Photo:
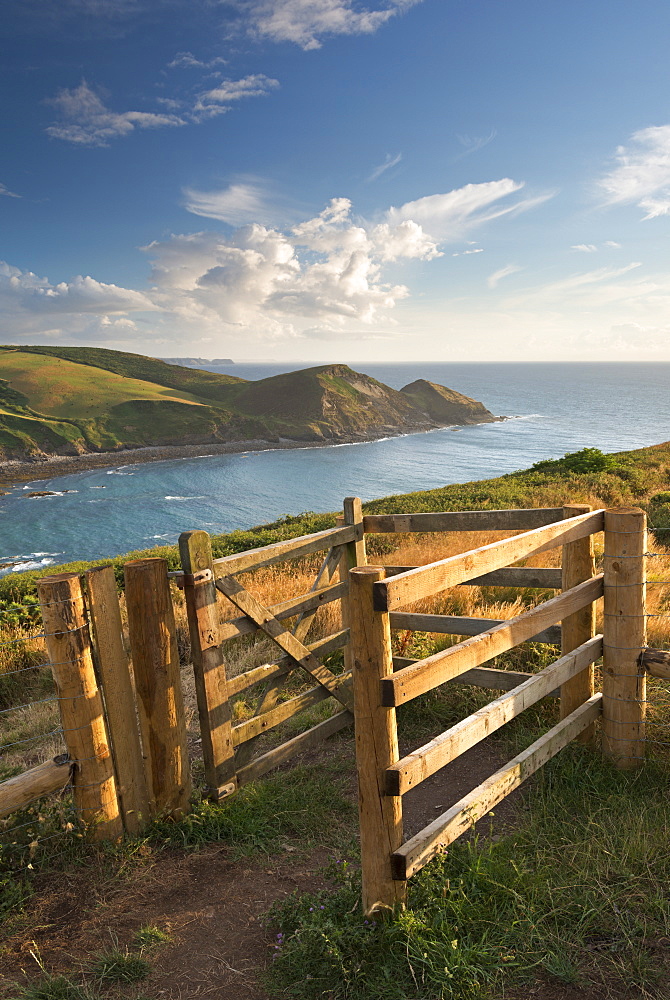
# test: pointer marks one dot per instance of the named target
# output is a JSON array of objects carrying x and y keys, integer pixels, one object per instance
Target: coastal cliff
[{"x": 86, "y": 401}]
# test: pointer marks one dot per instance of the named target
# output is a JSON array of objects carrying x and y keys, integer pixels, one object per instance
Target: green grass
[
  {"x": 150, "y": 937},
  {"x": 577, "y": 894},
  {"x": 119, "y": 965}
]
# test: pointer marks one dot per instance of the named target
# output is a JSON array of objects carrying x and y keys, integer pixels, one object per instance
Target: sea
[{"x": 551, "y": 409}]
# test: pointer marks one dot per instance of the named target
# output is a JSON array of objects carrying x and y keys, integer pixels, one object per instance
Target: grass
[
  {"x": 119, "y": 965},
  {"x": 583, "y": 903},
  {"x": 577, "y": 894}
]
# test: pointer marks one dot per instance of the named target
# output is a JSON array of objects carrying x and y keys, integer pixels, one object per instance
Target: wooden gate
[{"x": 381, "y": 684}]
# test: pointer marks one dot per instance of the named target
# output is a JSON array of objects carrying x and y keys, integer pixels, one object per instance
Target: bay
[{"x": 554, "y": 408}]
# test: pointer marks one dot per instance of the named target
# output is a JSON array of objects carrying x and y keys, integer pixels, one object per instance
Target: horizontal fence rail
[
  {"x": 467, "y": 520},
  {"x": 426, "y": 674},
  {"x": 458, "y": 625},
  {"x": 540, "y": 578},
  {"x": 420, "y": 849},
  {"x": 426, "y": 581},
  {"x": 427, "y": 760}
]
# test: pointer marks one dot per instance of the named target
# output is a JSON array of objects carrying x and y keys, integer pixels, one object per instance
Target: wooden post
[
  {"x": 209, "y": 668},
  {"x": 354, "y": 555},
  {"x": 153, "y": 647},
  {"x": 117, "y": 688},
  {"x": 578, "y": 565},
  {"x": 69, "y": 648},
  {"x": 380, "y": 815},
  {"x": 624, "y": 680}
]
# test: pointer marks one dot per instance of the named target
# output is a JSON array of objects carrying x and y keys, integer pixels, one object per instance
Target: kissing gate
[{"x": 124, "y": 726}]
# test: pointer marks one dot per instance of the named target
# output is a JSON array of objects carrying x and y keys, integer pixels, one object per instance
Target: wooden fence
[
  {"x": 382, "y": 683},
  {"x": 123, "y": 716}
]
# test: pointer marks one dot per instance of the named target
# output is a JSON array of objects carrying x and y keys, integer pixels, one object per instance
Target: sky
[{"x": 337, "y": 180}]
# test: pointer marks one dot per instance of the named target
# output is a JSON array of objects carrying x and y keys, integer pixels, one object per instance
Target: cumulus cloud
[
  {"x": 642, "y": 173},
  {"x": 451, "y": 215},
  {"x": 86, "y": 121},
  {"x": 8, "y": 194},
  {"x": 28, "y": 291},
  {"x": 390, "y": 161},
  {"x": 328, "y": 270},
  {"x": 306, "y": 22}
]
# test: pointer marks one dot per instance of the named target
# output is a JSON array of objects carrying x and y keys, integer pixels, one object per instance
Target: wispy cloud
[
  {"x": 218, "y": 99},
  {"x": 307, "y": 22},
  {"x": 503, "y": 272},
  {"x": 585, "y": 247},
  {"x": 473, "y": 143},
  {"x": 642, "y": 173},
  {"x": 186, "y": 60},
  {"x": 577, "y": 286},
  {"x": 390, "y": 161},
  {"x": 238, "y": 204},
  {"x": 8, "y": 194},
  {"x": 86, "y": 121},
  {"x": 449, "y": 216}
]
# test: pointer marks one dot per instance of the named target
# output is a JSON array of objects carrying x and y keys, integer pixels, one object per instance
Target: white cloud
[
  {"x": 642, "y": 173},
  {"x": 449, "y": 216},
  {"x": 186, "y": 60},
  {"x": 327, "y": 270},
  {"x": 87, "y": 122},
  {"x": 237, "y": 204},
  {"x": 8, "y": 194},
  {"x": 306, "y": 22},
  {"x": 218, "y": 99},
  {"x": 612, "y": 245},
  {"x": 585, "y": 247},
  {"x": 503, "y": 272},
  {"x": 390, "y": 161}
]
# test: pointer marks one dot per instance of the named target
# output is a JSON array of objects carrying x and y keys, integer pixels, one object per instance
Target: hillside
[{"x": 78, "y": 401}]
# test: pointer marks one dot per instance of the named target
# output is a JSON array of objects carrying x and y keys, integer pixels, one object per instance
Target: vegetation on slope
[{"x": 111, "y": 400}]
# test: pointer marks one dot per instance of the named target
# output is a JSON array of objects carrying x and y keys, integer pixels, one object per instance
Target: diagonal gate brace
[{"x": 286, "y": 641}]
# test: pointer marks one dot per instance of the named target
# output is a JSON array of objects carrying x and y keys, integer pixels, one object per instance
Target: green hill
[{"x": 78, "y": 400}]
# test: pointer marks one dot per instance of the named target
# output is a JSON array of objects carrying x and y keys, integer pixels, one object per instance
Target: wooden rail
[
  {"x": 458, "y": 625},
  {"x": 540, "y": 578},
  {"x": 421, "y": 763},
  {"x": 420, "y": 849},
  {"x": 464, "y": 520},
  {"x": 426, "y": 581},
  {"x": 426, "y": 674},
  {"x": 291, "y": 548}
]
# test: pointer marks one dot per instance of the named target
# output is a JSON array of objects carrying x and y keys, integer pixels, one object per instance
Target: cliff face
[
  {"x": 78, "y": 400},
  {"x": 446, "y": 406}
]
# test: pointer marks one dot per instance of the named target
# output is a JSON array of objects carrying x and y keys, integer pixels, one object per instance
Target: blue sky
[{"x": 327, "y": 180}]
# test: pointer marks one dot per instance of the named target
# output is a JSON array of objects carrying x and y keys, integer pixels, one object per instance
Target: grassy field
[{"x": 569, "y": 899}]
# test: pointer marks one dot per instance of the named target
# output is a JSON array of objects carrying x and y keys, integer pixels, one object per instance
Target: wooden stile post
[
  {"x": 209, "y": 668},
  {"x": 380, "y": 815},
  {"x": 69, "y": 648},
  {"x": 578, "y": 565},
  {"x": 117, "y": 688},
  {"x": 354, "y": 555},
  {"x": 624, "y": 630},
  {"x": 153, "y": 647}
]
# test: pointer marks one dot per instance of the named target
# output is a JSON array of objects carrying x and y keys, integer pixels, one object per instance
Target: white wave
[
  {"x": 186, "y": 498},
  {"x": 119, "y": 471},
  {"x": 22, "y": 567}
]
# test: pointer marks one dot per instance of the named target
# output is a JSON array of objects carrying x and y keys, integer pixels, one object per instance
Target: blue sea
[{"x": 554, "y": 409}]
